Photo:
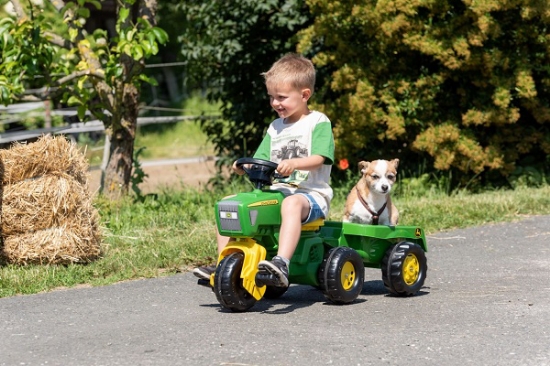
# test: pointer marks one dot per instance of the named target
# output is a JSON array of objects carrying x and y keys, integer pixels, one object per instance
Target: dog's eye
[
  {"x": 375, "y": 176},
  {"x": 391, "y": 176}
]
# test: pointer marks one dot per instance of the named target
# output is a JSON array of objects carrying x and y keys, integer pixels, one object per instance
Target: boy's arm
[{"x": 287, "y": 167}]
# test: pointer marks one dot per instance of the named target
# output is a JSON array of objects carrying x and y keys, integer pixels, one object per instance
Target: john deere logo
[
  {"x": 228, "y": 215},
  {"x": 418, "y": 232},
  {"x": 264, "y": 203}
]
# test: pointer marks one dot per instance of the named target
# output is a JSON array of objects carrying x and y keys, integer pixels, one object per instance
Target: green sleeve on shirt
[
  {"x": 322, "y": 142},
  {"x": 264, "y": 150}
]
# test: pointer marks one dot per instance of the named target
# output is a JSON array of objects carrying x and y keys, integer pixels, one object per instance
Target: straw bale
[
  {"x": 48, "y": 155},
  {"x": 47, "y": 215},
  {"x": 43, "y": 202},
  {"x": 70, "y": 243}
]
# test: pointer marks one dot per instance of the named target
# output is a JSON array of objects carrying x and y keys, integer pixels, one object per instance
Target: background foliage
[
  {"x": 463, "y": 84},
  {"x": 228, "y": 47},
  {"x": 455, "y": 88}
]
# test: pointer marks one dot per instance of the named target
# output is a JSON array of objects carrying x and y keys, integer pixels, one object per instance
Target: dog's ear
[
  {"x": 395, "y": 163},
  {"x": 363, "y": 165}
]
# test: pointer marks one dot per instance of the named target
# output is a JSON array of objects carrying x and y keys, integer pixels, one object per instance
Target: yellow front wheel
[{"x": 228, "y": 285}]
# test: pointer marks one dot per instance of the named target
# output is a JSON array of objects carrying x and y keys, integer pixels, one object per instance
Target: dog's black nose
[{"x": 384, "y": 187}]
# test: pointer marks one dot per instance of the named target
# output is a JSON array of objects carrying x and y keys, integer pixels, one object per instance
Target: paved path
[{"x": 486, "y": 302}]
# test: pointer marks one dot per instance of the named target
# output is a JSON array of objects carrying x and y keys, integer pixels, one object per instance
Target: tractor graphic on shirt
[{"x": 292, "y": 150}]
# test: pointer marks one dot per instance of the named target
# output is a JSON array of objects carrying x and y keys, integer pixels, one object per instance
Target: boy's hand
[
  {"x": 236, "y": 169},
  {"x": 286, "y": 167}
]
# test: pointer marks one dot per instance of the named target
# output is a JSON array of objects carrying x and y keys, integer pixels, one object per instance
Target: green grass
[{"x": 175, "y": 232}]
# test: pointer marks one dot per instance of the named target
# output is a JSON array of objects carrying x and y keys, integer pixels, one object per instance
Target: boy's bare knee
[
  {"x": 295, "y": 204},
  {"x": 295, "y": 201}
]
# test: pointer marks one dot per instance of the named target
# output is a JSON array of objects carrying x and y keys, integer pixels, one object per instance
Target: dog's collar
[{"x": 375, "y": 215}]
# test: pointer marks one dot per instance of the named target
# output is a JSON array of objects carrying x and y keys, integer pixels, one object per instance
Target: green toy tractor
[{"x": 330, "y": 255}]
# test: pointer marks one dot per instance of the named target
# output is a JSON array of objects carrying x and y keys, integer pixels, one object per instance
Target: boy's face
[{"x": 288, "y": 102}]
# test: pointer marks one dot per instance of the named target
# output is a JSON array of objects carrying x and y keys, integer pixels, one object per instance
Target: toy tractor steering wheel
[{"x": 260, "y": 172}]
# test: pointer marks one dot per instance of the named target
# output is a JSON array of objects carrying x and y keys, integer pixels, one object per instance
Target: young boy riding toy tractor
[{"x": 330, "y": 255}]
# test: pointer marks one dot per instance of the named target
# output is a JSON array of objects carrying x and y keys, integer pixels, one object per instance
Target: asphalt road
[{"x": 486, "y": 302}]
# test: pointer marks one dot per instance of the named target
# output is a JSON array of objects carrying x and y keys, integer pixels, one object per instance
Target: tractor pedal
[{"x": 203, "y": 282}]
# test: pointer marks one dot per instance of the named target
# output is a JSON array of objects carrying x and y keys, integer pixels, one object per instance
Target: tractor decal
[{"x": 264, "y": 203}]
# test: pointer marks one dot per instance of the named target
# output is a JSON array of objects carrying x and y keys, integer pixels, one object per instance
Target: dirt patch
[{"x": 175, "y": 175}]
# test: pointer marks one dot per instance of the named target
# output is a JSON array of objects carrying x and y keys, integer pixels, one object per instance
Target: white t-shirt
[{"x": 312, "y": 135}]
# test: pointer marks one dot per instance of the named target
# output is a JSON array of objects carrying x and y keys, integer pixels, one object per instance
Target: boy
[{"x": 302, "y": 144}]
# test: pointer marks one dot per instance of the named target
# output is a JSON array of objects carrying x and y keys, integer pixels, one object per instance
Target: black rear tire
[
  {"x": 341, "y": 275},
  {"x": 404, "y": 269},
  {"x": 228, "y": 284}
]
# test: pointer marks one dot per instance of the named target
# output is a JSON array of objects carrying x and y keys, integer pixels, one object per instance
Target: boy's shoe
[
  {"x": 205, "y": 272},
  {"x": 278, "y": 268}
]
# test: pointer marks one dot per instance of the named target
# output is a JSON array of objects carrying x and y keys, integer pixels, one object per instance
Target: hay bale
[
  {"x": 57, "y": 245},
  {"x": 43, "y": 202},
  {"x": 48, "y": 155},
  {"x": 46, "y": 206}
]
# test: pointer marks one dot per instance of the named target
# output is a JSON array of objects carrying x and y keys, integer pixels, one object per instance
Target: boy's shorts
[
  {"x": 318, "y": 205},
  {"x": 315, "y": 210}
]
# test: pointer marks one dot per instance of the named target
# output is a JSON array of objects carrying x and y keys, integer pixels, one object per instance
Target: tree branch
[
  {"x": 57, "y": 4},
  {"x": 147, "y": 11},
  {"x": 78, "y": 74},
  {"x": 18, "y": 8},
  {"x": 68, "y": 16},
  {"x": 102, "y": 88},
  {"x": 58, "y": 40}
]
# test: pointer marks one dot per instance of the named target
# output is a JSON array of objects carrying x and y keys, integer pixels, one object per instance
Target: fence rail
[{"x": 90, "y": 126}]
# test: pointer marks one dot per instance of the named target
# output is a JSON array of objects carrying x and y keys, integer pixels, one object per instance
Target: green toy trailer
[{"x": 330, "y": 256}]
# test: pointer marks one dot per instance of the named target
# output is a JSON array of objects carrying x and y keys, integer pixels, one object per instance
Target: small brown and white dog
[{"x": 369, "y": 202}]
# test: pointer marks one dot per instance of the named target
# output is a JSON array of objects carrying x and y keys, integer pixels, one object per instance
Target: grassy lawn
[{"x": 175, "y": 232}]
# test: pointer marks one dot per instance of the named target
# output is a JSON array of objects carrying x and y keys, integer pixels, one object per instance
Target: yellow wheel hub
[
  {"x": 411, "y": 269},
  {"x": 348, "y": 276}
]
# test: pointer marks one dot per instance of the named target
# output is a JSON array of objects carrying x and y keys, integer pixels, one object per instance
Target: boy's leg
[{"x": 294, "y": 210}]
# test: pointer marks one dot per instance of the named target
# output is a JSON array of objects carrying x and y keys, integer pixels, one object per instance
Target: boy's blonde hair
[{"x": 293, "y": 69}]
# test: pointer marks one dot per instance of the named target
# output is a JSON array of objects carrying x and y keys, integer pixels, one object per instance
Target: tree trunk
[
  {"x": 123, "y": 126},
  {"x": 118, "y": 173}
]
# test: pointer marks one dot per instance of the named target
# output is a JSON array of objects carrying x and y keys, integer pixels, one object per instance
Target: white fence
[{"x": 9, "y": 114}]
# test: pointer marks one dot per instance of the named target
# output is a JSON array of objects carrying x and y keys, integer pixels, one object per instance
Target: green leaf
[
  {"x": 81, "y": 112},
  {"x": 81, "y": 82},
  {"x": 97, "y": 4},
  {"x": 123, "y": 14},
  {"x": 137, "y": 52},
  {"x": 160, "y": 35},
  {"x": 118, "y": 71},
  {"x": 130, "y": 35},
  {"x": 146, "y": 47},
  {"x": 73, "y": 33},
  {"x": 148, "y": 79},
  {"x": 73, "y": 100},
  {"x": 84, "y": 12}
]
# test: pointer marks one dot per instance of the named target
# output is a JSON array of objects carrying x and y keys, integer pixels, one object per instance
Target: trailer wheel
[
  {"x": 404, "y": 269},
  {"x": 228, "y": 284},
  {"x": 341, "y": 275},
  {"x": 274, "y": 292}
]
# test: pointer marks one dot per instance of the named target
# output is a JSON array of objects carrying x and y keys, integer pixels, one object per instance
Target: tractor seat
[{"x": 314, "y": 225}]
